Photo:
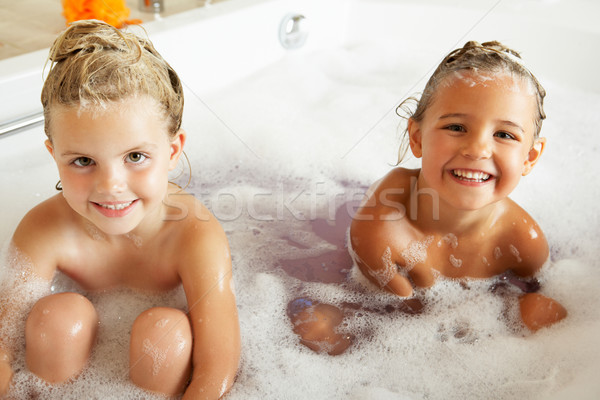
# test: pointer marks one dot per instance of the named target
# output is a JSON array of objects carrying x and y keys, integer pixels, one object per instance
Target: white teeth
[
  {"x": 120, "y": 206},
  {"x": 471, "y": 175}
]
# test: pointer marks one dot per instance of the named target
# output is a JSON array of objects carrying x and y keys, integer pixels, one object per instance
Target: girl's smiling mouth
[
  {"x": 470, "y": 176},
  {"x": 115, "y": 209}
]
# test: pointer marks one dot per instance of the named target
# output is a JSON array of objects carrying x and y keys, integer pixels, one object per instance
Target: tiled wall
[{"x": 29, "y": 25}]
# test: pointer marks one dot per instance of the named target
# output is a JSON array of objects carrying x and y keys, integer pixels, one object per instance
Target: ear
[
  {"x": 414, "y": 137},
  {"x": 49, "y": 147},
  {"x": 534, "y": 154},
  {"x": 176, "y": 148}
]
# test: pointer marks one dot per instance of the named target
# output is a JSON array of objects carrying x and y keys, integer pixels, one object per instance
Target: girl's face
[
  {"x": 476, "y": 139},
  {"x": 114, "y": 163}
]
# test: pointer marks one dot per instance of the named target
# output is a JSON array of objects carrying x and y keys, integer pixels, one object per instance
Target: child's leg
[
  {"x": 59, "y": 335},
  {"x": 160, "y": 352}
]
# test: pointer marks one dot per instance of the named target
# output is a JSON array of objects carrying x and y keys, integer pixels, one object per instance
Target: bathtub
[{"x": 283, "y": 143}]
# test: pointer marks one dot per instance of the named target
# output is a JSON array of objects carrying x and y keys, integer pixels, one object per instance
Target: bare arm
[
  {"x": 376, "y": 261},
  {"x": 20, "y": 289},
  {"x": 6, "y": 371},
  {"x": 527, "y": 247},
  {"x": 374, "y": 232},
  {"x": 30, "y": 267},
  {"x": 207, "y": 280},
  {"x": 531, "y": 251}
]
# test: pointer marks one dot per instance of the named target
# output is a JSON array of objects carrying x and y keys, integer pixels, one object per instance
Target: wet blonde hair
[
  {"x": 94, "y": 64},
  {"x": 489, "y": 57}
]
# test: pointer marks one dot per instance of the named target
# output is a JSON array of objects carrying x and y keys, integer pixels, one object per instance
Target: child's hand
[
  {"x": 386, "y": 276},
  {"x": 539, "y": 311}
]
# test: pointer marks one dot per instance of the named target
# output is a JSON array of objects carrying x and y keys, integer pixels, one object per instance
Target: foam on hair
[{"x": 94, "y": 64}]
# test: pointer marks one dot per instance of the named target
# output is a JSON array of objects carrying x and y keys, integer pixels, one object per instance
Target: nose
[
  {"x": 111, "y": 180},
  {"x": 477, "y": 147}
]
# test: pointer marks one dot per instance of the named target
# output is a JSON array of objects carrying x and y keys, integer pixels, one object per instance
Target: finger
[{"x": 400, "y": 286}]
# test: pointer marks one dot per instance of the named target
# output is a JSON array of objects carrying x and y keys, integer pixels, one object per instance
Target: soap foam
[
  {"x": 416, "y": 252},
  {"x": 20, "y": 289},
  {"x": 295, "y": 124},
  {"x": 158, "y": 356},
  {"x": 107, "y": 373},
  {"x": 467, "y": 333},
  {"x": 468, "y": 342}
]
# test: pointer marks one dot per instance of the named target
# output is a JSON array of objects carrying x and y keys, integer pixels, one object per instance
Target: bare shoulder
[
  {"x": 42, "y": 231},
  {"x": 199, "y": 224},
  {"x": 202, "y": 244},
  {"x": 381, "y": 220},
  {"x": 524, "y": 239},
  {"x": 399, "y": 178},
  {"x": 388, "y": 195}
]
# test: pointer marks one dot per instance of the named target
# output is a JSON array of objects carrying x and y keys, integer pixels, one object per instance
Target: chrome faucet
[
  {"x": 293, "y": 31},
  {"x": 153, "y": 6}
]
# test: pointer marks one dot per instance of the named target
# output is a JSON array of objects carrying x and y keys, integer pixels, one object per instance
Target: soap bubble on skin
[
  {"x": 135, "y": 239},
  {"x": 515, "y": 252},
  {"x": 94, "y": 232},
  {"x": 450, "y": 239},
  {"x": 161, "y": 323},
  {"x": 384, "y": 275},
  {"x": 158, "y": 356},
  {"x": 455, "y": 262},
  {"x": 416, "y": 252},
  {"x": 497, "y": 252}
]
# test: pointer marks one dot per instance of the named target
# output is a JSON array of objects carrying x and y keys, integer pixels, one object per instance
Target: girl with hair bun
[{"x": 113, "y": 110}]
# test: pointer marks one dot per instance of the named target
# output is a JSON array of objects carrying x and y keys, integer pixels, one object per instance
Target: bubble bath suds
[{"x": 297, "y": 163}]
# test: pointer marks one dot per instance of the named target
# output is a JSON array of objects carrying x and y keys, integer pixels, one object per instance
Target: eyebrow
[
  {"x": 452, "y": 115},
  {"x": 132, "y": 150},
  {"x": 513, "y": 124},
  {"x": 72, "y": 153},
  {"x": 502, "y": 121}
]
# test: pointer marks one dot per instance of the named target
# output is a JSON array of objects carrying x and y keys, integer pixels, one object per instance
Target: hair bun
[
  {"x": 92, "y": 36},
  {"x": 500, "y": 48},
  {"x": 473, "y": 47},
  {"x": 93, "y": 63}
]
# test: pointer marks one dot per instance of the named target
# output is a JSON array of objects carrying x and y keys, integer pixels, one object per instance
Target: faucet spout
[{"x": 153, "y": 6}]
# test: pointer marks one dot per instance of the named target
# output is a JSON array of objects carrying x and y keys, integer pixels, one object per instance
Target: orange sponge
[{"x": 113, "y": 12}]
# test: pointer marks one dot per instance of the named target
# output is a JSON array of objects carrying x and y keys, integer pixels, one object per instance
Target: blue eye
[
  {"x": 83, "y": 161},
  {"x": 136, "y": 157}
]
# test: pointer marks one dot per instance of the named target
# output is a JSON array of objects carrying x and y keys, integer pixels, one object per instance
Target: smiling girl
[
  {"x": 476, "y": 128},
  {"x": 113, "y": 110}
]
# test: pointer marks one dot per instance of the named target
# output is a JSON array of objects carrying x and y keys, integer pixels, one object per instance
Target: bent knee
[
  {"x": 59, "y": 335},
  {"x": 160, "y": 351}
]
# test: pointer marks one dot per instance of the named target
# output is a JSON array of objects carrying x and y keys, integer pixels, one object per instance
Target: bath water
[{"x": 282, "y": 158}]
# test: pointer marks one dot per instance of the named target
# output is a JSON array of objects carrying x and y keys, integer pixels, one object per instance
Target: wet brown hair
[
  {"x": 491, "y": 57},
  {"x": 94, "y": 64}
]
